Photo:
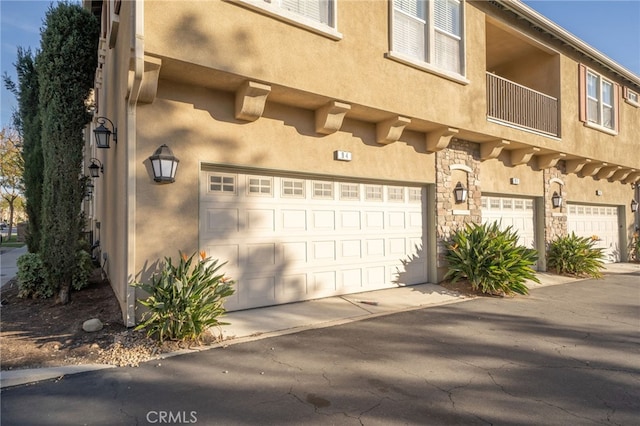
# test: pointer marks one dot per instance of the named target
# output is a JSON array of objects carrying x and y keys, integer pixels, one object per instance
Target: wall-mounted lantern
[
  {"x": 95, "y": 169},
  {"x": 556, "y": 200},
  {"x": 164, "y": 164},
  {"x": 103, "y": 134},
  {"x": 634, "y": 206},
  {"x": 460, "y": 193}
]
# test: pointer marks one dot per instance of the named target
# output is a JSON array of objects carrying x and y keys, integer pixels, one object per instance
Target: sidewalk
[
  {"x": 279, "y": 320},
  {"x": 8, "y": 258}
]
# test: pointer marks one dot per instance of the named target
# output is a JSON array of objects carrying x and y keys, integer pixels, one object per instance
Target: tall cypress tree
[
  {"x": 27, "y": 121},
  {"x": 66, "y": 67}
]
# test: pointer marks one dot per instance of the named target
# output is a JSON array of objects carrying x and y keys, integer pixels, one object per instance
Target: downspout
[{"x": 137, "y": 62}]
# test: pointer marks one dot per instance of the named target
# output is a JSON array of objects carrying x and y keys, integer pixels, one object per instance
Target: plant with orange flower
[{"x": 185, "y": 300}]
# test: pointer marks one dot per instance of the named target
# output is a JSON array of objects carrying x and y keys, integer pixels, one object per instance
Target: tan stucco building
[{"x": 320, "y": 142}]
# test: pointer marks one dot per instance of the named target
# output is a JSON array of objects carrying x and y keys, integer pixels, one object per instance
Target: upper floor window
[
  {"x": 317, "y": 10},
  {"x": 631, "y": 97},
  {"x": 429, "y": 31},
  {"x": 598, "y": 100},
  {"x": 318, "y": 16}
]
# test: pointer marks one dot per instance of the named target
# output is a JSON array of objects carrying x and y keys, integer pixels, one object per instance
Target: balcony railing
[{"x": 517, "y": 105}]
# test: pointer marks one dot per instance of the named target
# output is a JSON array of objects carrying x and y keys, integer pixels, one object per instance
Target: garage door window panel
[
  {"x": 222, "y": 183},
  {"x": 262, "y": 186}
]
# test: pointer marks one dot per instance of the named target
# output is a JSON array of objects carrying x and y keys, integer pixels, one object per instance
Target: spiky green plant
[
  {"x": 574, "y": 255},
  {"x": 185, "y": 299},
  {"x": 490, "y": 259}
]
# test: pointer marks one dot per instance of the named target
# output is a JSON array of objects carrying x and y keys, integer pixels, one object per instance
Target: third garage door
[{"x": 598, "y": 222}]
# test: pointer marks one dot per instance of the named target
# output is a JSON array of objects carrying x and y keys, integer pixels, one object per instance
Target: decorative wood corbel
[
  {"x": 607, "y": 172},
  {"x": 620, "y": 175},
  {"x": 575, "y": 165},
  {"x": 329, "y": 117},
  {"x": 523, "y": 155},
  {"x": 489, "y": 150},
  {"x": 149, "y": 85},
  {"x": 591, "y": 169},
  {"x": 549, "y": 160},
  {"x": 439, "y": 139},
  {"x": 251, "y": 98},
  {"x": 389, "y": 131}
]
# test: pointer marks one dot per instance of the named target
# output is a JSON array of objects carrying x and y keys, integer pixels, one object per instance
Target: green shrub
[
  {"x": 185, "y": 301},
  {"x": 32, "y": 280},
  {"x": 634, "y": 247},
  {"x": 83, "y": 270},
  {"x": 490, "y": 259},
  {"x": 573, "y": 255}
]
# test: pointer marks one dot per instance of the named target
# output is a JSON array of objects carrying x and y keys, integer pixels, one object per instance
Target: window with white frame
[
  {"x": 631, "y": 97},
  {"x": 429, "y": 31},
  {"x": 598, "y": 100},
  {"x": 321, "y": 11}
]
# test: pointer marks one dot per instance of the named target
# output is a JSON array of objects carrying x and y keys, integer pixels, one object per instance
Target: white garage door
[
  {"x": 599, "y": 222},
  {"x": 515, "y": 212},
  {"x": 294, "y": 238}
]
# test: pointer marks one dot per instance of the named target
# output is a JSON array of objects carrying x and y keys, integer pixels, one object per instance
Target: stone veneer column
[
  {"x": 555, "y": 220},
  {"x": 459, "y": 152}
]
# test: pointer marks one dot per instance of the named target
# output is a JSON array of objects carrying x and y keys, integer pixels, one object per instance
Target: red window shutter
[{"x": 582, "y": 92}]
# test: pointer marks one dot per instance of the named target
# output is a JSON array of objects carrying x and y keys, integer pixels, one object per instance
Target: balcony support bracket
[
  {"x": 574, "y": 166},
  {"x": 632, "y": 178},
  {"x": 251, "y": 98},
  {"x": 591, "y": 169},
  {"x": 607, "y": 172},
  {"x": 389, "y": 131},
  {"x": 549, "y": 160},
  {"x": 620, "y": 175},
  {"x": 439, "y": 139},
  {"x": 492, "y": 149},
  {"x": 329, "y": 117},
  {"x": 523, "y": 155}
]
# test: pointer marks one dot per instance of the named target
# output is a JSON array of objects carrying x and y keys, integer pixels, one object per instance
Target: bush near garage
[
  {"x": 490, "y": 259},
  {"x": 32, "y": 279},
  {"x": 574, "y": 255},
  {"x": 634, "y": 247},
  {"x": 185, "y": 301}
]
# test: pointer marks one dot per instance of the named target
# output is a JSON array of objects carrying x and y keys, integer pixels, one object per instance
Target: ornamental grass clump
[
  {"x": 186, "y": 299},
  {"x": 490, "y": 259},
  {"x": 574, "y": 255}
]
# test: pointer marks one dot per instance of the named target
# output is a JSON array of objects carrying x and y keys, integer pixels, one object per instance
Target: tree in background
[
  {"x": 65, "y": 65},
  {"x": 27, "y": 121},
  {"x": 11, "y": 168}
]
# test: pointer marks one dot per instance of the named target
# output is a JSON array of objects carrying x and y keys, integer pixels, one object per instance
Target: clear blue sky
[{"x": 610, "y": 26}]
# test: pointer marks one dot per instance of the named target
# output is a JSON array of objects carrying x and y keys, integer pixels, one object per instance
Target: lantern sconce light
[
  {"x": 164, "y": 165},
  {"x": 103, "y": 134},
  {"x": 460, "y": 193},
  {"x": 95, "y": 169},
  {"x": 556, "y": 200},
  {"x": 634, "y": 206}
]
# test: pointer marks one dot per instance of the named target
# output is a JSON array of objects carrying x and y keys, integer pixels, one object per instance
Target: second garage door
[
  {"x": 291, "y": 238},
  {"x": 515, "y": 212}
]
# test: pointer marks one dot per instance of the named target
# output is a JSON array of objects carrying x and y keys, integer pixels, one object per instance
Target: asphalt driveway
[{"x": 565, "y": 355}]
